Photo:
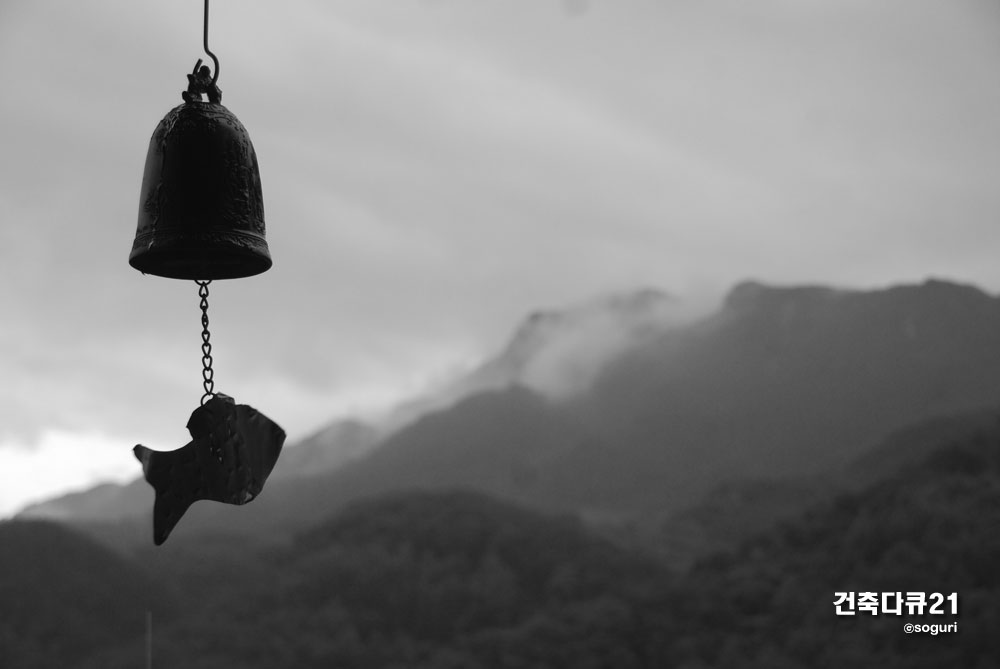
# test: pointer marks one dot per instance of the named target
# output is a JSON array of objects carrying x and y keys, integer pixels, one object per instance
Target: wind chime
[{"x": 201, "y": 218}]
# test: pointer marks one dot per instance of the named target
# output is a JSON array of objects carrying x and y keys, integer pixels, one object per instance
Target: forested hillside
[
  {"x": 63, "y": 597},
  {"x": 457, "y": 579},
  {"x": 930, "y": 528},
  {"x": 666, "y": 516}
]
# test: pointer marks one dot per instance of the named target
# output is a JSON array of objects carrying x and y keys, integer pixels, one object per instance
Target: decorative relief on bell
[{"x": 201, "y": 210}]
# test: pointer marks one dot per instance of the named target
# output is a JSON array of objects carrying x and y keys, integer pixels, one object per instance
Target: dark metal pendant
[
  {"x": 234, "y": 447},
  {"x": 201, "y": 217}
]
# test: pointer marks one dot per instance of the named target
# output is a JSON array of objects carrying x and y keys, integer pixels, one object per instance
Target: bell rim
[{"x": 206, "y": 255}]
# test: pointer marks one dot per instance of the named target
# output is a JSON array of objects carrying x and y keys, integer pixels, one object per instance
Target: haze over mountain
[
  {"x": 787, "y": 381},
  {"x": 555, "y": 352},
  {"x": 778, "y": 382},
  {"x": 559, "y": 353}
]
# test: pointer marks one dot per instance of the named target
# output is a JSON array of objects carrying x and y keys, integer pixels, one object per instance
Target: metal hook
[{"x": 215, "y": 74}]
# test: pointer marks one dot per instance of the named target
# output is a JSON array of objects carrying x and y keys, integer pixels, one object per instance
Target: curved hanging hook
[
  {"x": 199, "y": 81},
  {"x": 215, "y": 73}
]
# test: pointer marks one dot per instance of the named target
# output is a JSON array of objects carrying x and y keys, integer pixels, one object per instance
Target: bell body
[{"x": 201, "y": 211}]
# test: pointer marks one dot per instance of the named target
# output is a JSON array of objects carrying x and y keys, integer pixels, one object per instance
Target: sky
[{"x": 434, "y": 170}]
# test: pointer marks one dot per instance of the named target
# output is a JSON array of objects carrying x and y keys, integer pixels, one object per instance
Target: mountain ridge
[{"x": 778, "y": 381}]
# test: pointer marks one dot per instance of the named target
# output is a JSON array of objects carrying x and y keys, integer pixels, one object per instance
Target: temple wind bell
[{"x": 201, "y": 218}]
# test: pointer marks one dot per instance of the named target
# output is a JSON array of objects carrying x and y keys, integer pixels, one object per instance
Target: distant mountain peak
[
  {"x": 756, "y": 295},
  {"x": 560, "y": 352},
  {"x": 942, "y": 291},
  {"x": 919, "y": 312},
  {"x": 643, "y": 303}
]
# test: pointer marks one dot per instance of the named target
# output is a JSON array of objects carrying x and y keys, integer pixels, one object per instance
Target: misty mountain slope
[
  {"x": 102, "y": 503},
  {"x": 120, "y": 504},
  {"x": 788, "y": 381},
  {"x": 326, "y": 450},
  {"x": 735, "y": 510},
  {"x": 554, "y": 352},
  {"x": 496, "y": 441},
  {"x": 62, "y": 595},
  {"x": 780, "y": 382},
  {"x": 559, "y": 352},
  {"x": 500, "y": 442}
]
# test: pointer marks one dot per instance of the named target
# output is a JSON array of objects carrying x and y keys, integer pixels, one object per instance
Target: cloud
[
  {"x": 61, "y": 461},
  {"x": 433, "y": 171}
]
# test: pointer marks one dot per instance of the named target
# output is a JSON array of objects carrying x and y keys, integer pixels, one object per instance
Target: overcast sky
[{"x": 433, "y": 170}]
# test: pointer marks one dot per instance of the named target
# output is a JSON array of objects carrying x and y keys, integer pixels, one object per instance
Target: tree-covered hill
[
  {"x": 933, "y": 527},
  {"x": 419, "y": 579},
  {"x": 63, "y": 596},
  {"x": 455, "y": 579},
  {"x": 433, "y": 579}
]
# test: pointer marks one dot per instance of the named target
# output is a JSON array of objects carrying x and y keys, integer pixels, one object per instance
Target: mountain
[
  {"x": 725, "y": 517},
  {"x": 326, "y": 450},
  {"x": 423, "y": 580},
  {"x": 913, "y": 443},
  {"x": 437, "y": 580},
  {"x": 495, "y": 442},
  {"x": 64, "y": 596},
  {"x": 554, "y": 352},
  {"x": 930, "y": 528},
  {"x": 735, "y": 510},
  {"x": 784, "y": 382},
  {"x": 329, "y": 448},
  {"x": 104, "y": 502},
  {"x": 559, "y": 352},
  {"x": 759, "y": 434},
  {"x": 780, "y": 382}
]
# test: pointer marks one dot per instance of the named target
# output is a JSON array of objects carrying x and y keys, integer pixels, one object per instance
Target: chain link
[{"x": 207, "y": 373}]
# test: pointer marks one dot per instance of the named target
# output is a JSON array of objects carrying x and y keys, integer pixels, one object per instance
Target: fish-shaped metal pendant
[{"x": 233, "y": 449}]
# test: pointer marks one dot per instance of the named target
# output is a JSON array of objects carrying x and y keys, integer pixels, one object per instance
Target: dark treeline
[{"x": 458, "y": 579}]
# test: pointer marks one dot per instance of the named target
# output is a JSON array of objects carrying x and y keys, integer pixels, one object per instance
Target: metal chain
[{"x": 207, "y": 373}]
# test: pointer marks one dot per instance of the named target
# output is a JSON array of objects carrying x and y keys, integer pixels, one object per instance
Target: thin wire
[{"x": 215, "y": 74}]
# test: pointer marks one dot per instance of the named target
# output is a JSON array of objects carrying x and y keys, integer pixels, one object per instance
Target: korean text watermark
[{"x": 896, "y": 603}]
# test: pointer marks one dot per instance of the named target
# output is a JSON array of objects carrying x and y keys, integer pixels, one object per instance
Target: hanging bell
[{"x": 201, "y": 212}]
